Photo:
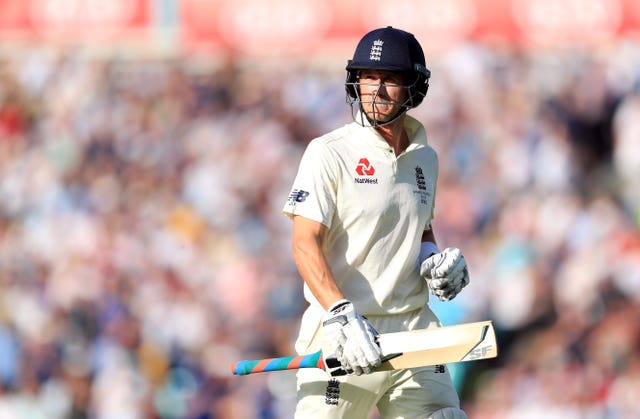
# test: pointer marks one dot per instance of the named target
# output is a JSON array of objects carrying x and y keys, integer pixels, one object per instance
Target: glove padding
[
  {"x": 446, "y": 273},
  {"x": 349, "y": 338}
]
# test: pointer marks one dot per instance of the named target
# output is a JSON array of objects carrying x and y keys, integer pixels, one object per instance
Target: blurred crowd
[{"x": 143, "y": 250}]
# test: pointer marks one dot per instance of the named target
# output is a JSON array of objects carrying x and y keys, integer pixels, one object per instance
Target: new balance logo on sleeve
[{"x": 297, "y": 195}]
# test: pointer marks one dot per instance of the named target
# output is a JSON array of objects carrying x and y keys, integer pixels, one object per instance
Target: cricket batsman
[{"x": 362, "y": 204}]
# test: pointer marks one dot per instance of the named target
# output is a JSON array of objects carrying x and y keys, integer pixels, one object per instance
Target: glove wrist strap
[
  {"x": 337, "y": 305},
  {"x": 427, "y": 249}
]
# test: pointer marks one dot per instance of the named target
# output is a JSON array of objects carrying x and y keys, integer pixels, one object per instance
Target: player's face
[{"x": 382, "y": 93}]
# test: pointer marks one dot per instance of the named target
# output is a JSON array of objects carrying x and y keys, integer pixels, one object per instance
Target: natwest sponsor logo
[
  {"x": 81, "y": 21},
  {"x": 445, "y": 21},
  {"x": 548, "y": 21},
  {"x": 365, "y": 168}
]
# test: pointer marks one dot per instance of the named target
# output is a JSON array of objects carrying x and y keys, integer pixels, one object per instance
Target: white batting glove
[
  {"x": 446, "y": 273},
  {"x": 350, "y": 339}
]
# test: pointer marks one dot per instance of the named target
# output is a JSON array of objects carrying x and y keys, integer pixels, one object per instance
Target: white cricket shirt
[{"x": 376, "y": 207}]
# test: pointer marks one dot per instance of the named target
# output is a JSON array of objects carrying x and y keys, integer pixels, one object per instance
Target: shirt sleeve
[{"x": 313, "y": 194}]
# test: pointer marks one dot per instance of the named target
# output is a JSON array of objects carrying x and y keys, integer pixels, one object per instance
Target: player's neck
[{"x": 395, "y": 135}]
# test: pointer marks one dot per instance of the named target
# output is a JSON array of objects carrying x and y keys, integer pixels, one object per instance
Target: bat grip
[{"x": 313, "y": 360}]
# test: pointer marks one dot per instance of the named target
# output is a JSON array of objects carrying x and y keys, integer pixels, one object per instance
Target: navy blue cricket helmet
[{"x": 393, "y": 50}]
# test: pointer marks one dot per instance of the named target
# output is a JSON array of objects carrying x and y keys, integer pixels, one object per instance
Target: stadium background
[{"x": 147, "y": 147}]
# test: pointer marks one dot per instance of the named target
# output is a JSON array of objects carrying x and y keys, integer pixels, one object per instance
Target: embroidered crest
[
  {"x": 420, "y": 181},
  {"x": 376, "y": 50},
  {"x": 332, "y": 395}
]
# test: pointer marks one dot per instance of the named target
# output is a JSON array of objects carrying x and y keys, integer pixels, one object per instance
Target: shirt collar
[{"x": 415, "y": 130}]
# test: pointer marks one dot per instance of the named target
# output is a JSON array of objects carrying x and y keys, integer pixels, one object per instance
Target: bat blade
[
  {"x": 418, "y": 348},
  {"x": 444, "y": 345}
]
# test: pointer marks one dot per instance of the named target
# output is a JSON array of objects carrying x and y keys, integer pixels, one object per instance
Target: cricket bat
[{"x": 417, "y": 348}]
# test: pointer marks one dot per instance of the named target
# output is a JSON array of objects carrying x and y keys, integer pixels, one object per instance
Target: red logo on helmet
[{"x": 364, "y": 168}]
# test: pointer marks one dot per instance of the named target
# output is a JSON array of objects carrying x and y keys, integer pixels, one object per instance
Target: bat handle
[{"x": 313, "y": 360}]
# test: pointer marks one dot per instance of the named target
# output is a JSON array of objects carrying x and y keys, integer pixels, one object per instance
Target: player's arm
[
  {"x": 428, "y": 236},
  {"x": 347, "y": 336},
  {"x": 308, "y": 241},
  {"x": 428, "y": 244}
]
